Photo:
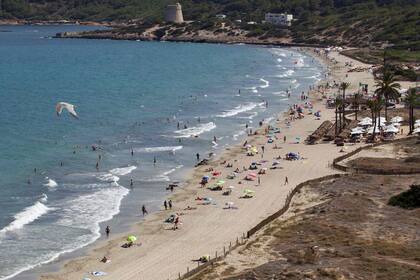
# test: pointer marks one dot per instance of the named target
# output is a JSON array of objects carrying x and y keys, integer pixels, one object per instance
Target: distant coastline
[
  {"x": 210, "y": 38},
  {"x": 53, "y": 22}
]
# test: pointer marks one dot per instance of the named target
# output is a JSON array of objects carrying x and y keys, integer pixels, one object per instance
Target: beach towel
[{"x": 98, "y": 273}]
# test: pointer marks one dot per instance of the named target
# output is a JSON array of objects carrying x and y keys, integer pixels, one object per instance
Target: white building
[{"x": 279, "y": 19}]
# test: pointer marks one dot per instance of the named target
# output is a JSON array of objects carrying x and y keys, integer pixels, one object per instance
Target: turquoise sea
[{"x": 160, "y": 100}]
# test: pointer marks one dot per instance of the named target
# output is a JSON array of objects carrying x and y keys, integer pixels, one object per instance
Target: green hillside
[{"x": 356, "y": 22}]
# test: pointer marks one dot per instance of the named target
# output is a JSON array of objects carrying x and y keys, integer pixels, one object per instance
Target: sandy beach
[{"x": 165, "y": 253}]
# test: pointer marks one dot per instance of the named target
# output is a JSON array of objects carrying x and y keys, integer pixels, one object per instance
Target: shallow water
[{"x": 147, "y": 97}]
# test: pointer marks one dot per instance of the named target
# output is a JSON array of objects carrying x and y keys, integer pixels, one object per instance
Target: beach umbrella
[
  {"x": 397, "y": 119},
  {"x": 391, "y": 129},
  {"x": 220, "y": 182},
  {"x": 248, "y": 191},
  {"x": 131, "y": 238},
  {"x": 230, "y": 203},
  {"x": 252, "y": 174},
  {"x": 231, "y": 187}
]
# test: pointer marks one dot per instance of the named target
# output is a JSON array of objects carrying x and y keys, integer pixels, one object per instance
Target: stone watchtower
[{"x": 173, "y": 13}]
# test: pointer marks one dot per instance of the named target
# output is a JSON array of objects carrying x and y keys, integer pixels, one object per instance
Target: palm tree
[
  {"x": 356, "y": 104},
  {"x": 336, "y": 103},
  {"x": 343, "y": 86},
  {"x": 387, "y": 88},
  {"x": 338, "y": 106},
  {"x": 411, "y": 100},
  {"x": 375, "y": 106}
]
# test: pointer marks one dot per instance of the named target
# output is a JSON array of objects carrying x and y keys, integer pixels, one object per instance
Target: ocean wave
[
  {"x": 164, "y": 177},
  {"x": 121, "y": 171},
  {"x": 26, "y": 216},
  {"x": 288, "y": 73},
  {"x": 88, "y": 211},
  {"x": 50, "y": 183},
  {"x": 280, "y": 93},
  {"x": 158, "y": 149},
  {"x": 238, "y": 109},
  {"x": 236, "y": 135},
  {"x": 108, "y": 177},
  {"x": 279, "y": 60},
  {"x": 195, "y": 130},
  {"x": 43, "y": 198}
]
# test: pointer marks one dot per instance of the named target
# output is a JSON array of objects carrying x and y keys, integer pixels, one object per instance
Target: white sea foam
[
  {"x": 279, "y": 60},
  {"x": 87, "y": 211},
  {"x": 280, "y": 93},
  {"x": 195, "y": 130},
  {"x": 164, "y": 177},
  {"x": 108, "y": 177},
  {"x": 236, "y": 135},
  {"x": 250, "y": 117},
  {"x": 158, "y": 149},
  {"x": 238, "y": 109},
  {"x": 299, "y": 62},
  {"x": 50, "y": 183},
  {"x": 26, "y": 216},
  {"x": 43, "y": 198},
  {"x": 288, "y": 73},
  {"x": 121, "y": 171},
  {"x": 268, "y": 120},
  {"x": 266, "y": 83}
]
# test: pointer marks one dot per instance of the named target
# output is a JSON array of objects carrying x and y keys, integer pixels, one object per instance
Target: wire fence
[{"x": 219, "y": 255}]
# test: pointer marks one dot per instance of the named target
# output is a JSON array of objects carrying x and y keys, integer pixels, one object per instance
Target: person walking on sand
[
  {"x": 165, "y": 204},
  {"x": 259, "y": 180},
  {"x": 286, "y": 181},
  {"x": 284, "y": 139},
  {"x": 170, "y": 204},
  {"x": 143, "y": 210},
  {"x": 176, "y": 222},
  {"x": 107, "y": 231}
]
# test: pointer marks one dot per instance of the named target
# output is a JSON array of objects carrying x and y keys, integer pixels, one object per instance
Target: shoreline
[
  {"x": 181, "y": 196},
  {"x": 181, "y": 39}
]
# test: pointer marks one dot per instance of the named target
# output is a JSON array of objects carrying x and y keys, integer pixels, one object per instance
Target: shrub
[{"x": 409, "y": 199}]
